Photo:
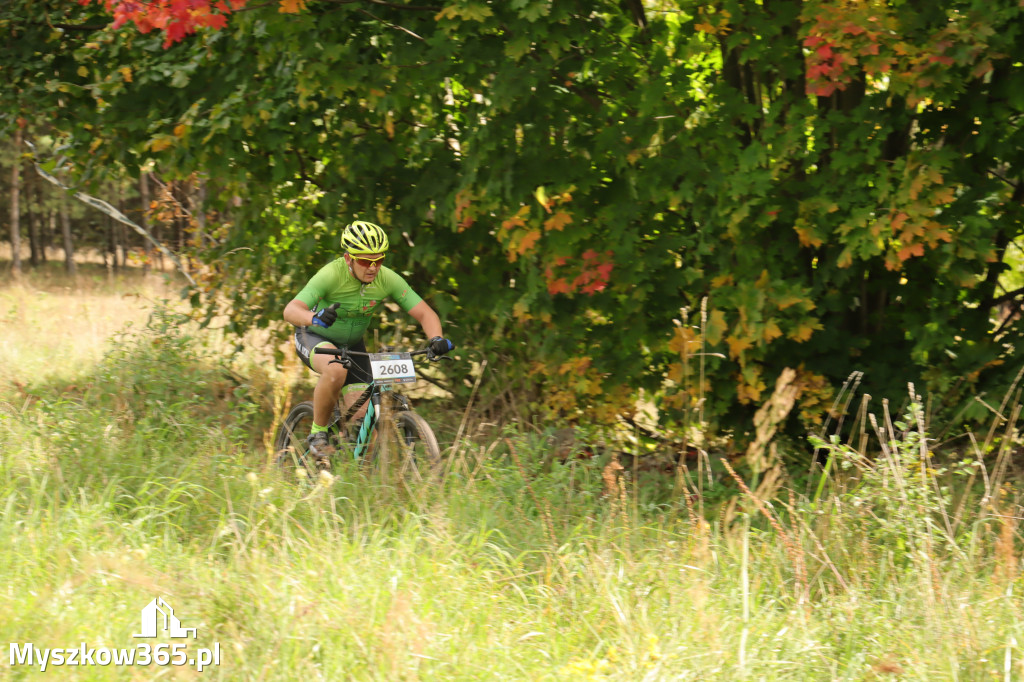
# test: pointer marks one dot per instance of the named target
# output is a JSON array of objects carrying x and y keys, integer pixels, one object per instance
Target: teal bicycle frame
[{"x": 372, "y": 394}]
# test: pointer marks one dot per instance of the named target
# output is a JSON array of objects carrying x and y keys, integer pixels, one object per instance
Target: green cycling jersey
[{"x": 359, "y": 302}]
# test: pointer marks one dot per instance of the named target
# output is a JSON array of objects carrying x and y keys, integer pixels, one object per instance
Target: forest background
[{"x": 668, "y": 200}]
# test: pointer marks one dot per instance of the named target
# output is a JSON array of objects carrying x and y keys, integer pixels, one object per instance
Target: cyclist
[{"x": 334, "y": 310}]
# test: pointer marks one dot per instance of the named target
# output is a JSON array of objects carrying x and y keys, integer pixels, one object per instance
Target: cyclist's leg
[{"x": 332, "y": 375}]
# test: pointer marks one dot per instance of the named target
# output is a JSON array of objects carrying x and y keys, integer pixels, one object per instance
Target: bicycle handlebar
[{"x": 342, "y": 352}]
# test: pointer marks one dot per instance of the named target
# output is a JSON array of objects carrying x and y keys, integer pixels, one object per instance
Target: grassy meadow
[{"x": 134, "y": 465}]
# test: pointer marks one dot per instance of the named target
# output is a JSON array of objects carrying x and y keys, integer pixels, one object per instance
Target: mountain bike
[{"x": 390, "y": 431}]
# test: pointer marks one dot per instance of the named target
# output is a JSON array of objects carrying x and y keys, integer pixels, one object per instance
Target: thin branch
[
  {"x": 1011, "y": 183},
  {"x": 1008, "y": 296},
  {"x": 389, "y": 24},
  {"x": 79, "y": 27},
  {"x": 103, "y": 206}
]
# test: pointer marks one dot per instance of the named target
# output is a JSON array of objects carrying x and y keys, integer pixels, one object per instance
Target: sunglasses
[{"x": 367, "y": 262}]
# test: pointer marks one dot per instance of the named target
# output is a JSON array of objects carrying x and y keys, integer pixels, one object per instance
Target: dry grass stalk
[
  {"x": 1005, "y": 547},
  {"x": 610, "y": 475},
  {"x": 465, "y": 419},
  {"x": 542, "y": 505},
  {"x": 281, "y": 397},
  {"x": 793, "y": 550},
  {"x": 768, "y": 417},
  {"x": 614, "y": 487}
]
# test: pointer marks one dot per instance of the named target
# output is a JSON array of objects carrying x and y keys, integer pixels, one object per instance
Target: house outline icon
[{"x": 151, "y": 613}]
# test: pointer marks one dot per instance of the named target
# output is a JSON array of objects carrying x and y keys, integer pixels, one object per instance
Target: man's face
[{"x": 365, "y": 266}]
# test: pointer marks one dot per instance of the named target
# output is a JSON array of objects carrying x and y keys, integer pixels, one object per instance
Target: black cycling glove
[
  {"x": 326, "y": 316},
  {"x": 439, "y": 346}
]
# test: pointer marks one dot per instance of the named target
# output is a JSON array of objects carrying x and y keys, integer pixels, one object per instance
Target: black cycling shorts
[{"x": 358, "y": 372}]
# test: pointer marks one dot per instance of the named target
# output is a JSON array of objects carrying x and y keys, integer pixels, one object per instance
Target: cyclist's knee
[{"x": 335, "y": 375}]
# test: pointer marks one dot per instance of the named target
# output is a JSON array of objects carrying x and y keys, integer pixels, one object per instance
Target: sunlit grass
[
  {"x": 55, "y": 325},
  {"x": 148, "y": 479}
]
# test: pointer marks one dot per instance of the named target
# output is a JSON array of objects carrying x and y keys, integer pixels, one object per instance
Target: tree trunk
[
  {"x": 198, "y": 211},
  {"x": 144, "y": 220},
  {"x": 111, "y": 245},
  {"x": 15, "y": 210},
  {"x": 121, "y": 237},
  {"x": 46, "y": 217},
  {"x": 32, "y": 216},
  {"x": 65, "y": 228},
  {"x": 50, "y": 232}
]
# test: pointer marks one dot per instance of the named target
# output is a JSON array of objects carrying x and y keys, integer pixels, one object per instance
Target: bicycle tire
[
  {"x": 291, "y": 445},
  {"x": 419, "y": 452}
]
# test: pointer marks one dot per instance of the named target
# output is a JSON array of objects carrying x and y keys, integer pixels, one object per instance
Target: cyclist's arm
[
  {"x": 428, "y": 319},
  {"x": 298, "y": 313}
]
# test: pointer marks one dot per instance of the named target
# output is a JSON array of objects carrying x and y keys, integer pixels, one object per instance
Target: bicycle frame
[
  {"x": 373, "y": 393},
  {"x": 388, "y": 422}
]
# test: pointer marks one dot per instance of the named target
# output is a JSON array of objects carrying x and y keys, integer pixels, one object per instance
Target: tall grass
[{"x": 148, "y": 479}]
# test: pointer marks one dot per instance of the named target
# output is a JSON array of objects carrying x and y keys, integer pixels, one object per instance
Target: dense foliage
[{"x": 840, "y": 181}]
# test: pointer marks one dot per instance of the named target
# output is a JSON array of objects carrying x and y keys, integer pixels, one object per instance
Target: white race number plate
[{"x": 392, "y": 368}]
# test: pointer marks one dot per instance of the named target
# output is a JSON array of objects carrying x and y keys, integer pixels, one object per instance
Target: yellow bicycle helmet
[{"x": 362, "y": 237}]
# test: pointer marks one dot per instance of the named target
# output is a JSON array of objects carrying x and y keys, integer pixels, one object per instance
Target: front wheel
[{"x": 414, "y": 443}]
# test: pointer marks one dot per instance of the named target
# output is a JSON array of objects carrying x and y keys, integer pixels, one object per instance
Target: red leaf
[
  {"x": 214, "y": 21},
  {"x": 175, "y": 32},
  {"x": 822, "y": 89},
  {"x": 559, "y": 286}
]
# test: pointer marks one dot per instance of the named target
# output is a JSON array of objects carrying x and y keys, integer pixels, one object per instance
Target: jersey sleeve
[
  {"x": 401, "y": 293},
  {"x": 317, "y": 287}
]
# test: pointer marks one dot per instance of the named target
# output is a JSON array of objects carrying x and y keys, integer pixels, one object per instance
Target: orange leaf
[
  {"x": 559, "y": 286},
  {"x": 910, "y": 251},
  {"x": 898, "y": 220},
  {"x": 675, "y": 372},
  {"x": 527, "y": 241},
  {"x": 771, "y": 331},
  {"x": 558, "y": 221},
  {"x": 737, "y": 346},
  {"x": 291, "y": 6},
  {"x": 787, "y": 300},
  {"x": 683, "y": 339}
]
